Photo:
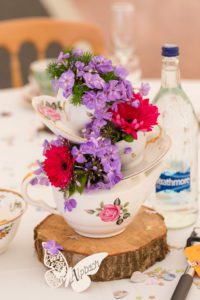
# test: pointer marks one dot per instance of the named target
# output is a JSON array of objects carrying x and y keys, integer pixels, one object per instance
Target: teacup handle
[{"x": 38, "y": 203}]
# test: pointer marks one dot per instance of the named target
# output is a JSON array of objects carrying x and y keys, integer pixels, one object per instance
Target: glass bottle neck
[{"x": 170, "y": 72}]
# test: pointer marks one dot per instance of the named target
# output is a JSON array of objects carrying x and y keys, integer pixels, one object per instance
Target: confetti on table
[
  {"x": 138, "y": 298},
  {"x": 168, "y": 276},
  {"x": 120, "y": 294},
  {"x": 138, "y": 277},
  {"x": 5, "y": 114},
  {"x": 151, "y": 281},
  {"x": 180, "y": 271},
  {"x": 152, "y": 297}
]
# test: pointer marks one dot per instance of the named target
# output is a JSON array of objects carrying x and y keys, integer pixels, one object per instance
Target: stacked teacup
[{"x": 108, "y": 149}]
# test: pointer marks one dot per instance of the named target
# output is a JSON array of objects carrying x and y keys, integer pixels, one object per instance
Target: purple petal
[{"x": 127, "y": 150}]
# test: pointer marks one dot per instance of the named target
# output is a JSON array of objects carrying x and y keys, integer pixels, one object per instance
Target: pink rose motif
[
  {"x": 49, "y": 113},
  {"x": 110, "y": 213}
]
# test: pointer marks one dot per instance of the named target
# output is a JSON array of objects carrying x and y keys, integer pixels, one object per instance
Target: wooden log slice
[{"x": 137, "y": 248}]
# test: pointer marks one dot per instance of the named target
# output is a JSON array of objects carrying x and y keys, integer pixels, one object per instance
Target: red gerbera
[
  {"x": 138, "y": 115},
  {"x": 58, "y": 166}
]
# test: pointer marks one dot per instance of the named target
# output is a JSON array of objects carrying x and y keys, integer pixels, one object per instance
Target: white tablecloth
[{"x": 21, "y": 275}]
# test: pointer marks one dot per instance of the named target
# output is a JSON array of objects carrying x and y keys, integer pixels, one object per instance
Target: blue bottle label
[{"x": 173, "y": 182}]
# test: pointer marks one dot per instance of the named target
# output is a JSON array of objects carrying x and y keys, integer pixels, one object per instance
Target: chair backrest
[{"x": 41, "y": 32}]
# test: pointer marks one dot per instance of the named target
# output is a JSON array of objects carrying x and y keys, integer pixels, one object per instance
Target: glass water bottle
[{"x": 176, "y": 189}]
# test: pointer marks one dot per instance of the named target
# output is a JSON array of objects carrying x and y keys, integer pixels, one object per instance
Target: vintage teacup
[
  {"x": 39, "y": 77},
  {"x": 132, "y": 154},
  {"x": 101, "y": 213},
  {"x": 78, "y": 116},
  {"x": 12, "y": 207}
]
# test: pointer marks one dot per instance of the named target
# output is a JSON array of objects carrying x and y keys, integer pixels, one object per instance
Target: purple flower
[
  {"x": 77, "y": 52},
  {"x": 97, "y": 125},
  {"x": 102, "y": 64},
  {"x": 34, "y": 181},
  {"x": 118, "y": 90},
  {"x": 66, "y": 82},
  {"x": 77, "y": 154},
  {"x": 90, "y": 68},
  {"x": 46, "y": 145},
  {"x": 89, "y": 99},
  {"x": 144, "y": 89},
  {"x": 89, "y": 147},
  {"x": 80, "y": 68},
  {"x": 121, "y": 72},
  {"x": 52, "y": 247},
  {"x": 43, "y": 180},
  {"x": 127, "y": 150},
  {"x": 135, "y": 103},
  {"x": 94, "y": 100},
  {"x": 55, "y": 85},
  {"x": 69, "y": 204},
  {"x": 40, "y": 170},
  {"x": 61, "y": 57},
  {"x": 94, "y": 81},
  {"x": 103, "y": 114}
]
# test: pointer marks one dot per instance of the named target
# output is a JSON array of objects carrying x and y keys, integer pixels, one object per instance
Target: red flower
[
  {"x": 58, "y": 166},
  {"x": 138, "y": 115}
]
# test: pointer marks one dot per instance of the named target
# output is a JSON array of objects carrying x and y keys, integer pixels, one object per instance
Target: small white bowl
[{"x": 12, "y": 207}]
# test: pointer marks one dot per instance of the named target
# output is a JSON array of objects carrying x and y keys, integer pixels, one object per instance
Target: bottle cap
[{"x": 170, "y": 50}]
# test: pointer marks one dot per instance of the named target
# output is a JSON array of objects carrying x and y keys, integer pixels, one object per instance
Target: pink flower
[
  {"x": 138, "y": 115},
  {"x": 49, "y": 112},
  {"x": 110, "y": 213}
]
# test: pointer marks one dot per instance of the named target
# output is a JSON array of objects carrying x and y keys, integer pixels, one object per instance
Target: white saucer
[
  {"x": 153, "y": 154},
  {"x": 59, "y": 125}
]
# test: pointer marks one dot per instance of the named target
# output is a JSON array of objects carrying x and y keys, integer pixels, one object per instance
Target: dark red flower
[
  {"x": 58, "y": 166},
  {"x": 136, "y": 115}
]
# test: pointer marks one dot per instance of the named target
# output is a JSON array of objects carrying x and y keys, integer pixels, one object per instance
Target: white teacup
[
  {"x": 39, "y": 77},
  {"x": 78, "y": 115},
  {"x": 12, "y": 207},
  {"x": 101, "y": 213},
  {"x": 137, "y": 147}
]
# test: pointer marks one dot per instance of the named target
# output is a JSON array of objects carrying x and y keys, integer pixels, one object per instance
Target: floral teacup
[
  {"x": 78, "y": 115},
  {"x": 101, "y": 213},
  {"x": 12, "y": 207},
  {"x": 132, "y": 153}
]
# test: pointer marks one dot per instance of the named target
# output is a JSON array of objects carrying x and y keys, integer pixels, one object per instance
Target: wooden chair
[{"x": 41, "y": 32}]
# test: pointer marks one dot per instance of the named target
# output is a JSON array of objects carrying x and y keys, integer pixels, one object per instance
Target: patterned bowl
[{"x": 12, "y": 207}]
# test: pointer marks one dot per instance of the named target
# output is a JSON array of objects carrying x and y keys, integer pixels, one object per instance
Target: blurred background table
[{"x": 21, "y": 275}]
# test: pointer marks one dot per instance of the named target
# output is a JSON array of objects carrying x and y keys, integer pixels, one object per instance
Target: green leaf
[
  {"x": 82, "y": 179},
  {"x": 128, "y": 138},
  {"x": 117, "y": 201},
  {"x": 119, "y": 221},
  {"x": 98, "y": 209},
  {"x": 125, "y": 210},
  {"x": 90, "y": 211},
  {"x": 71, "y": 189},
  {"x": 101, "y": 204},
  {"x": 109, "y": 76},
  {"x": 78, "y": 90},
  {"x": 126, "y": 204},
  {"x": 127, "y": 215}
]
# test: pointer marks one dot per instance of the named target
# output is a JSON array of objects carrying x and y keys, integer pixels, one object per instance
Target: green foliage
[
  {"x": 112, "y": 132},
  {"x": 78, "y": 90},
  {"x": 109, "y": 76},
  {"x": 54, "y": 71},
  {"x": 82, "y": 179},
  {"x": 128, "y": 138}
]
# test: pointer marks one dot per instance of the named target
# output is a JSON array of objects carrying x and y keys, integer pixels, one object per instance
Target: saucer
[
  {"x": 153, "y": 154},
  {"x": 53, "y": 114}
]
